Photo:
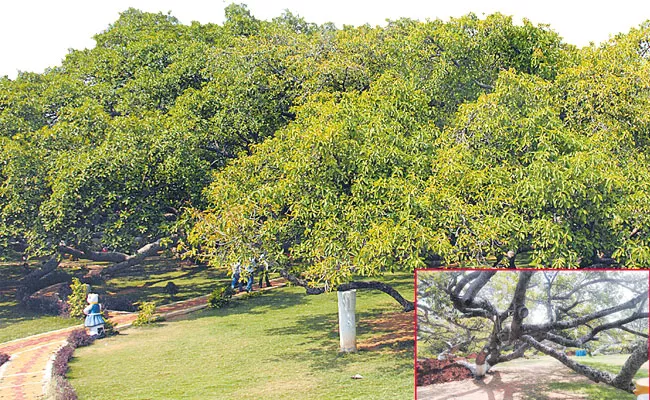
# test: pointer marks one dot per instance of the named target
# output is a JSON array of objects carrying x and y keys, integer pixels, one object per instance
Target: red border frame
[{"x": 415, "y": 300}]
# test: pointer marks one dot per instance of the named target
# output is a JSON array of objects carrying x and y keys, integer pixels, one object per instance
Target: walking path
[{"x": 27, "y": 374}]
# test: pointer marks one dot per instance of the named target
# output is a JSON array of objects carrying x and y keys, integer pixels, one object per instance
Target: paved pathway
[{"x": 26, "y": 375}]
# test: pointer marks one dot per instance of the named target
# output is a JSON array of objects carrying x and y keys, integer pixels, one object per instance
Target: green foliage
[
  {"x": 146, "y": 314},
  {"x": 109, "y": 326},
  {"x": 337, "y": 152},
  {"x": 77, "y": 299},
  {"x": 453, "y": 161},
  {"x": 220, "y": 297}
]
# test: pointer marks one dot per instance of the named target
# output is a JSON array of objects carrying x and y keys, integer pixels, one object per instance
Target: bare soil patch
[
  {"x": 397, "y": 332},
  {"x": 508, "y": 382}
]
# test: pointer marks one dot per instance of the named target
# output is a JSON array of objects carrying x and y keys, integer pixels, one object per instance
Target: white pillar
[{"x": 347, "y": 320}]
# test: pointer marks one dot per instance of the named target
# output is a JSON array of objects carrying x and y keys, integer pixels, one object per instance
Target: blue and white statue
[{"x": 94, "y": 320}]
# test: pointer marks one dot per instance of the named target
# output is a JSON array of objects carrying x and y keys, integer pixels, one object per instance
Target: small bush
[
  {"x": 220, "y": 297},
  {"x": 45, "y": 305},
  {"x": 251, "y": 294},
  {"x": 61, "y": 359},
  {"x": 171, "y": 289},
  {"x": 4, "y": 358},
  {"x": 109, "y": 327},
  {"x": 77, "y": 299},
  {"x": 79, "y": 338},
  {"x": 61, "y": 389},
  {"x": 120, "y": 303},
  {"x": 146, "y": 314}
]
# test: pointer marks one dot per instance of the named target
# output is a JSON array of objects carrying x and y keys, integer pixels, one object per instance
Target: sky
[{"x": 35, "y": 35}]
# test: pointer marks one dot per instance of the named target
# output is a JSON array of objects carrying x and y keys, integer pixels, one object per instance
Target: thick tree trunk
[
  {"x": 519, "y": 312},
  {"x": 638, "y": 357},
  {"x": 389, "y": 290},
  {"x": 30, "y": 282},
  {"x": 49, "y": 266}
]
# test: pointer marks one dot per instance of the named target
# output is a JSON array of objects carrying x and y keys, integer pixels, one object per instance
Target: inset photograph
[{"x": 531, "y": 334}]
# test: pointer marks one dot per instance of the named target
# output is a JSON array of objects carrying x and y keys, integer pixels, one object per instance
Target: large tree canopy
[
  {"x": 107, "y": 149},
  {"x": 510, "y": 313},
  {"x": 338, "y": 152},
  {"x": 459, "y": 153}
]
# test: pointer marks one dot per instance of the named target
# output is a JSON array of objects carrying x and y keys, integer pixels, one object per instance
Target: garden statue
[{"x": 94, "y": 320}]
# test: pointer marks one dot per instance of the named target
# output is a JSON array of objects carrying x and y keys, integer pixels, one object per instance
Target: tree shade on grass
[
  {"x": 145, "y": 282},
  {"x": 280, "y": 345}
]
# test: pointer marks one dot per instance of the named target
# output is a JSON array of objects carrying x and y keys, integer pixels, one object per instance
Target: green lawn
[
  {"x": 16, "y": 322},
  {"x": 144, "y": 282},
  {"x": 281, "y": 345}
]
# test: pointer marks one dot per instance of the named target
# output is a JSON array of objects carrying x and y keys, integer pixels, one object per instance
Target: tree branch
[
  {"x": 389, "y": 290},
  {"x": 621, "y": 381}
]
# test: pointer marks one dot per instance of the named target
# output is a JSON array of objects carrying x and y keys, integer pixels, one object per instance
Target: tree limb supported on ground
[
  {"x": 120, "y": 260},
  {"x": 389, "y": 290},
  {"x": 542, "y": 310}
]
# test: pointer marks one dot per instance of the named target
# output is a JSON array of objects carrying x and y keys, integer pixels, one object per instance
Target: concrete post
[{"x": 347, "y": 321}]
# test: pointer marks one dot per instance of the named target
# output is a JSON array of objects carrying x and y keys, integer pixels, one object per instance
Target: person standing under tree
[
  {"x": 250, "y": 269},
  {"x": 263, "y": 267},
  {"x": 236, "y": 273}
]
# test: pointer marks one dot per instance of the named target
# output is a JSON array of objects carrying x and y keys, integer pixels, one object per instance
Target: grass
[
  {"x": 16, "y": 322},
  {"x": 140, "y": 283},
  {"x": 281, "y": 345},
  {"x": 610, "y": 363},
  {"x": 146, "y": 282}
]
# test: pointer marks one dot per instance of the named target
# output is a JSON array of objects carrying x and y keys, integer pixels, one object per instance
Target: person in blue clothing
[
  {"x": 250, "y": 269},
  {"x": 236, "y": 273},
  {"x": 94, "y": 320}
]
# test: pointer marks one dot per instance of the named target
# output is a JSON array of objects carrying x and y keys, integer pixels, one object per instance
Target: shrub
[
  {"x": 171, "y": 289},
  {"x": 79, "y": 338},
  {"x": 4, "y": 358},
  {"x": 220, "y": 297},
  {"x": 146, "y": 314},
  {"x": 45, "y": 305},
  {"x": 77, "y": 299},
  {"x": 120, "y": 303},
  {"x": 109, "y": 326},
  {"x": 61, "y": 359},
  {"x": 60, "y": 389},
  {"x": 251, "y": 294}
]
